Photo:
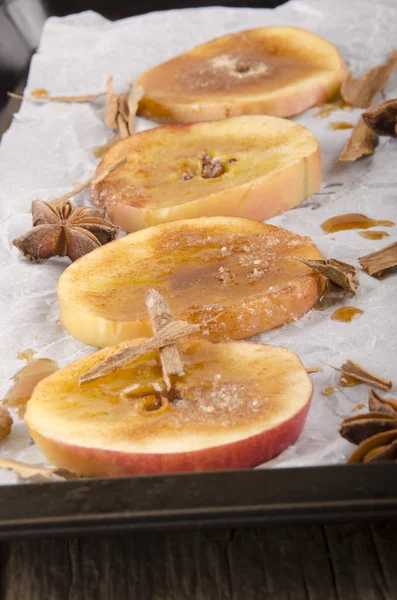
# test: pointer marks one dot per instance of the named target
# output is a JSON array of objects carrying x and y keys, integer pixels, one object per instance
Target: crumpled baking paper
[{"x": 48, "y": 149}]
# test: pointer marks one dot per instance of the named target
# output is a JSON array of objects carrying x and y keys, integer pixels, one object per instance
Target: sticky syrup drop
[
  {"x": 352, "y": 221},
  {"x": 40, "y": 93},
  {"x": 373, "y": 235},
  {"x": 329, "y": 390},
  {"x": 341, "y": 125},
  {"x": 346, "y": 314},
  {"x": 26, "y": 355},
  {"x": 326, "y": 109},
  {"x": 348, "y": 381}
]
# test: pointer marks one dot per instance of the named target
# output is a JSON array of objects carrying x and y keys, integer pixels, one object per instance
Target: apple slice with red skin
[
  {"x": 265, "y": 167},
  {"x": 234, "y": 277},
  {"x": 279, "y": 71},
  {"x": 237, "y": 405}
]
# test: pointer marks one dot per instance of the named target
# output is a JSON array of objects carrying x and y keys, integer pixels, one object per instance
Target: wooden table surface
[{"x": 345, "y": 561}]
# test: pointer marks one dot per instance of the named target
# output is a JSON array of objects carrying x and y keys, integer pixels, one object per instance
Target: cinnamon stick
[
  {"x": 340, "y": 273},
  {"x": 91, "y": 181},
  {"x": 381, "y": 260},
  {"x": 161, "y": 316},
  {"x": 168, "y": 335},
  {"x": 134, "y": 98}
]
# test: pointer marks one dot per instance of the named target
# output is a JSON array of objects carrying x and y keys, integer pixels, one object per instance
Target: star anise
[
  {"x": 374, "y": 432},
  {"x": 379, "y": 404},
  {"x": 382, "y": 118},
  {"x": 360, "y": 427},
  {"x": 377, "y": 448},
  {"x": 64, "y": 230}
]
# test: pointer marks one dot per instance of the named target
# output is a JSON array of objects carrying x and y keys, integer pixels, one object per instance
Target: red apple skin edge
[{"x": 248, "y": 452}]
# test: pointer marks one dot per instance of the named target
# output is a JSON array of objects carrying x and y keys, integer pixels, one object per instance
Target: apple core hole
[
  {"x": 242, "y": 67},
  {"x": 153, "y": 403}
]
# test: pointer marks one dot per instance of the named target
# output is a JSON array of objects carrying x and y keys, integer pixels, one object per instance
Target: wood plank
[
  {"x": 347, "y": 562},
  {"x": 356, "y": 564}
]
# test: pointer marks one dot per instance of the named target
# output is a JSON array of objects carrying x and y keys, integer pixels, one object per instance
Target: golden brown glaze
[{"x": 233, "y": 276}]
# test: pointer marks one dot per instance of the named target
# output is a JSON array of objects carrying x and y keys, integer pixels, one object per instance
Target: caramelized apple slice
[
  {"x": 237, "y": 405},
  {"x": 253, "y": 167},
  {"x": 234, "y": 276},
  {"x": 278, "y": 71}
]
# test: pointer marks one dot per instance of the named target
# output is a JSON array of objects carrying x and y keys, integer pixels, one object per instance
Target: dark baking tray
[
  {"x": 228, "y": 498},
  {"x": 225, "y": 498}
]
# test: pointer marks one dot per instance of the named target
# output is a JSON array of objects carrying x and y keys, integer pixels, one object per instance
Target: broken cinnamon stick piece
[
  {"x": 340, "y": 273},
  {"x": 112, "y": 105},
  {"x": 382, "y": 118},
  {"x": 135, "y": 96},
  {"x": 48, "y": 98},
  {"x": 99, "y": 151},
  {"x": 355, "y": 370},
  {"x": 122, "y": 127},
  {"x": 362, "y": 142},
  {"x": 313, "y": 369},
  {"x": 91, "y": 181},
  {"x": 123, "y": 107},
  {"x": 381, "y": 260},
  {"x": 168, "y": 335},
  {"x": 360, "y": 91},
  {"x": 161, "y": 316}
]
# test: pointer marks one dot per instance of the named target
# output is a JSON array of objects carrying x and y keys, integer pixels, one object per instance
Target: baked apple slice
[
  {"x": 253, "y": 166},
  {"x": 279, "y": 71},
  {"x": 237, "y": 405},
  {"x": 233, "y": 276}
]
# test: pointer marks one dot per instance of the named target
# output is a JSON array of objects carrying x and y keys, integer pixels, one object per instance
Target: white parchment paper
[{"x": 48, "y": 149}]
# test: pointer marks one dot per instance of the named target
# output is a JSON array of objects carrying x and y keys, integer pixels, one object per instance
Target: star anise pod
[
  {"x": 64, "y": 230},
  {"x": 382, "y": 118},
  {"x": 379, "y": 404},
  {"x": 377, "y": 448},
  {"x": 375, "y": 432},
  {"x": 361, "y": 427}
]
